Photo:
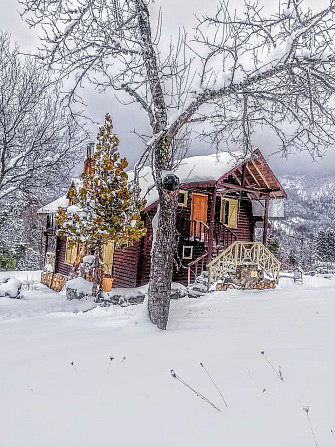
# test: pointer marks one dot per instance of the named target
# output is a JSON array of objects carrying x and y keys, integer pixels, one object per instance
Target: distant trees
[
  {"x": 38, "y": 137},
  {"x": 325, "y": 245},
  {"x": 38, "y": 140}
]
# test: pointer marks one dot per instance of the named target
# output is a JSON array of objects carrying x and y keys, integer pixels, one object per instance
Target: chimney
[
  {"x": 88, "y": 160},
  {"x": 89, "y": 150}
]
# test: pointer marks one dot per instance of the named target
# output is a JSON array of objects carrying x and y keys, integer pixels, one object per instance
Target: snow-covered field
[{"x": 58, "y": 386}]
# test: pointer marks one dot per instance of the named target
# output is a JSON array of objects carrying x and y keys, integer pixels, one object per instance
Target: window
[
  {"x": 187, "y": 252},
  {"x": 107, "y": 257},
  {"x": 182, "y": 198},
  {"x": 228, "y": 212},
  {"x": 70, "y": 253}
]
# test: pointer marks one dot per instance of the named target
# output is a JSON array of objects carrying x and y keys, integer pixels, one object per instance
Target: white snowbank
[
  {"x": 81, "y": 285},
  {"x": 103, "y": 377},
  {"x": 9, "y": 286},
  {"x": 89, "y": 259}
]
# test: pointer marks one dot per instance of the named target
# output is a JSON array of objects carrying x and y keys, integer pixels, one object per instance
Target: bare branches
[
  {"x": 36, "y": 134},
  {"x": 237, "y": 75}
]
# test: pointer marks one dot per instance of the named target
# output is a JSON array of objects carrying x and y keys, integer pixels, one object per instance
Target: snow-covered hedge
[{"x": 9, "y": 286}]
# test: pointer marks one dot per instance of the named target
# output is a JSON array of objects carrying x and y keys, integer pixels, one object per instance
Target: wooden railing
[
  {"x": 196, "y": 263},
  {"x": 243, "y": 253},
  {"x": 196, "y": 230},
  {"x": 223, "y": 235}
]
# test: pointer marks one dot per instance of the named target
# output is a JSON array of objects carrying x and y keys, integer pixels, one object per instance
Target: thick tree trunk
[{"x": 159, "y": 293}]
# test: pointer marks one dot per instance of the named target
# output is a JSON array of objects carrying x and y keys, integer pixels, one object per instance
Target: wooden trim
[
  {"x": 211, "y": 226},
  {"x": 266, "y": 218},
  {"x": 260, "y": 173},
  {"x": 191, "y": 251},
  {"x": 265, "y": 192},
  {"x": 258, "y": 153},
  {"x": 184, "y": 203},
  {"x": 251, "y": 174}
]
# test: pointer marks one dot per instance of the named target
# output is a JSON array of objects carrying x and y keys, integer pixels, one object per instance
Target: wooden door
[{"x": 198, "y": 214}]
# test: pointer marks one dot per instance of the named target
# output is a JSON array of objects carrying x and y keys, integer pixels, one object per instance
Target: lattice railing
[{"x": 243, "y": 253}]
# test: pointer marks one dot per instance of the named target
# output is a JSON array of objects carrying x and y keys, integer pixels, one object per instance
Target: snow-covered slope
[
  {"x": 59, "y": 386},
  {"x": 311, "y": 200}
]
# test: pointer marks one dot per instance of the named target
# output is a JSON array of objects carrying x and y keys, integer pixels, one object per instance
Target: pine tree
[
  {"x": 330, "y": 237},
  {"x": 273, "y": 245},
  {"x": 321, "y": 245},
  {"x": 108, "y": 208}
]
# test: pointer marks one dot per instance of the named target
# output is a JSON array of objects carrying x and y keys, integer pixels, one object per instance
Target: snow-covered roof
[
  {"x": 52, "y": 207},
  {"x": 197, "y": 169},
  {"x": 201, "y": 168}
]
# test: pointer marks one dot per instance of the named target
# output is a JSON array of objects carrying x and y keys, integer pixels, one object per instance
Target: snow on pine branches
[{"x": 107, "y": 207}]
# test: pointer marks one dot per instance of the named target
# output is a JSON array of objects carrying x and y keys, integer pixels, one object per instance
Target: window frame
[
  {"x": 185, "y": 193},
  {"x": 191, "y": 252},
  {"x": 225, "y": 217}
]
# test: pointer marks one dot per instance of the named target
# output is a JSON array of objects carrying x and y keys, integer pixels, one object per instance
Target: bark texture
[{"x": 159, "y": 293}]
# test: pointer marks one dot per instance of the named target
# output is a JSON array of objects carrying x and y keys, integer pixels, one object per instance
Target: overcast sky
[{"x": 176, "y": 13}]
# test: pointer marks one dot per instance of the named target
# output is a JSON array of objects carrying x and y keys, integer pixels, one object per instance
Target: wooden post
[
  {"x": 211, "y": 226},
  {"x": 243, "y": 175},
  {"x": 45, "y": 246},
  {"x": 266, "y": 218}
]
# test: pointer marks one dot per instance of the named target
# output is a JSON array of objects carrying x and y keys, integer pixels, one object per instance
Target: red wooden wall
[{"x": 131, "y": 267}]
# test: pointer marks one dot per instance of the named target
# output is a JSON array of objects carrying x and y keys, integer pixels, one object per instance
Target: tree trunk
[{"x": 159, "y": 293}]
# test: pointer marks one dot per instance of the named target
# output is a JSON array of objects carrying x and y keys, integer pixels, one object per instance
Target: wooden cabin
[{"x": 215, "y": 209}]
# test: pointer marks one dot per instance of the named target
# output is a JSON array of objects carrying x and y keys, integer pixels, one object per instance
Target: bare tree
[
  {"x": 38, "y": 136},
  {"x": 236, "y": 75}
]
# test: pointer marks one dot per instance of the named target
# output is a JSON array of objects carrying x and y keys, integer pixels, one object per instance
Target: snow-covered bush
[
  {"x": 9, "y": 286},
  {"x": 78, "y": 288}
]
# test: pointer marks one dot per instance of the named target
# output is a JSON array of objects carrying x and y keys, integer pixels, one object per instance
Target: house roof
[{"x": 218, "y": 169}]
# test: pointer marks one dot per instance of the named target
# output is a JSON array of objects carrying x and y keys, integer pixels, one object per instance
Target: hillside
[
  {"x": 310, "y": 207},
  {"x": 311, "y": 201}
]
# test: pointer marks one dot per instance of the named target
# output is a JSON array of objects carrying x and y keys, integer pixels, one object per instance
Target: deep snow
[{"x": 133, "y": 400}]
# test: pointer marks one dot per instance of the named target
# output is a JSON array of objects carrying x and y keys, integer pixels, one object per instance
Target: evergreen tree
[
  {"x": 330, "y": 238},
  {"x": 273, "y": 245},
  {"x": 108, "y": 209},
  {"x": 321, "y": 246}
]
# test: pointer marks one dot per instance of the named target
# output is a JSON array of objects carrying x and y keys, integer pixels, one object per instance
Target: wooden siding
[
  {"x": 244, "y": 229},
  {"x": 60, "y": 266},
  {"x": 125, "y": 266},
  {"x": 131, "y": 266},
  {"x": 182, "y": 226},
  {"x": 143, "y": 272}
]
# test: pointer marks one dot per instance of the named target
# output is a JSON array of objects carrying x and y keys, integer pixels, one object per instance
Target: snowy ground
[{"x": 46, "y": 401}]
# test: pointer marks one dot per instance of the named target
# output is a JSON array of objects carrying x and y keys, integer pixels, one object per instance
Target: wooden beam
[
  {"x": 265, "y": 223},
  {"x": 241, "y": 171},
  {"x": 236, "y": 178},
  {"x": 259, "y": 172},
  {"x": 243, "y": 175},
  {"x": 211, "y": 226},
  {"x": 252, "y": 175},
  {"x": 265, "y": 192}
]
